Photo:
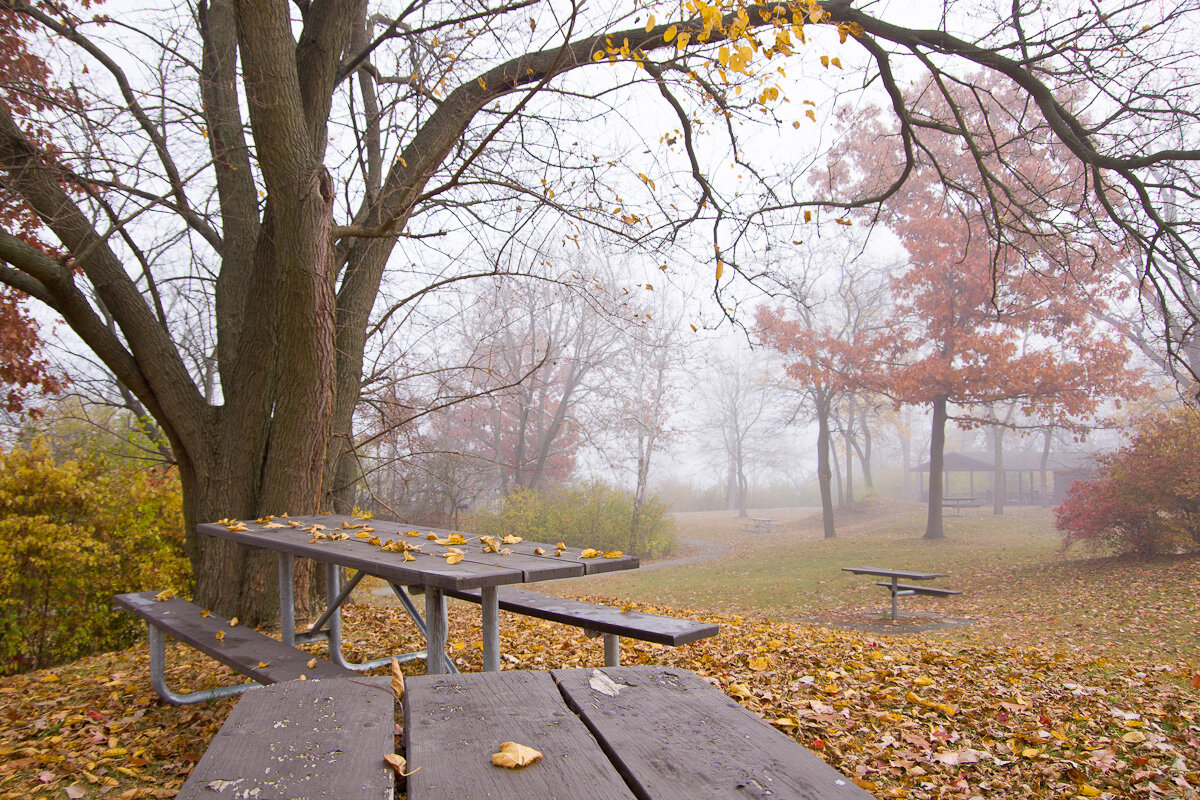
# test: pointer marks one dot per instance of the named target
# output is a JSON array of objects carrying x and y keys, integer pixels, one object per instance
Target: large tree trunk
[
  {"x": 937, "y": 448},
  {"x": 824, "y": 473},
  {"x": 1001, "y": 478}
]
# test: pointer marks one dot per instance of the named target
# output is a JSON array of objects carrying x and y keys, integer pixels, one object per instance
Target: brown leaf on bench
[
  {"x": 515, "y": 756},
  {"x": 398, "y": 763}
]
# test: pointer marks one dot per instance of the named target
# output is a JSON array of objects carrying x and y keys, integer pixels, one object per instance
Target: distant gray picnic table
[
  {"x": 340, "y": 541},
  {"x": 896, "y": 588}
]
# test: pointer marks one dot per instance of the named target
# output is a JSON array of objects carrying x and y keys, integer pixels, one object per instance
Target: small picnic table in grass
[
  {"x": 897, "y": 589},
  {"x": 762, "y": 525}
]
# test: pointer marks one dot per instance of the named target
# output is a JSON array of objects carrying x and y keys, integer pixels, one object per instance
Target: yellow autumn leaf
[
  {"x": 612, "y": 553},
  {"x": 409, "y": 556},
  {"x": 453, "y": 558},
  {"x": 220, "y": 636},
  {"x": 233, "y": 622},
  {"x": 560, "y": 546},
  {"x": 457, "y": 538},
  {"x": 589, "y": 553},
  {"x": 397, "y": 679},
  {"x": 759, "y": 664},
  {"x": 681, "y": 40},
  {"x": 515, "y": 756},
  {"x": 262, "y": 664},
  {"x": 510, "y": 539},
  {"x": 811, "y": 115},
  {"x": 923, "y": 681},
  {"x": 739, "y": 690},
  {"x": 669, "y": 33},
  {"x": 1088, "y": 791},
  {"x": 490, "y": 544},
  {"x": 537, "y": 551},
  {"x": 650, "y": 24},
  {"x": 720, "y": 269},
  {"x": 312, "y": 663},
  {"x": 398, "y": 763},
  {"x": 204, "y": 612},
  {"x": 165, "y": 594},
  {"x": 1134, "y": 737}
]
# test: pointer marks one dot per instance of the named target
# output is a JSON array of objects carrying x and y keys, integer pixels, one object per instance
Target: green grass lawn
[{"x": 1018, "y": 586}]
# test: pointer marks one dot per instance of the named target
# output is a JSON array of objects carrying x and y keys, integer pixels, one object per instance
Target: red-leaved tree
[{"x": 1145, "y": 498}]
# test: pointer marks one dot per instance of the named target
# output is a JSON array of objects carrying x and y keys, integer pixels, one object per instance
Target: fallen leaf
[
  {"x": 233, "y": 622},
  {"x": 604, "y": 684},
  {"x": 312, "y": 663},
  {"x": 398, "y": 763},
  {"x": 515, "y": 756},
  {"x": 165, "y": 594},
  {"x": 220, "y": 636},
  {"x": 397, "y": 679}
]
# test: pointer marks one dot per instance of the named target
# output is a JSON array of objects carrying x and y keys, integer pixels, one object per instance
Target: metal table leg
[
  {"x": 287, "y": 602},
  {"x": 491, "y": 629},
  {"x": 436, "y": 631},
  {"x": 418, "y": 620},
  {"x": 894, "y": 580}
]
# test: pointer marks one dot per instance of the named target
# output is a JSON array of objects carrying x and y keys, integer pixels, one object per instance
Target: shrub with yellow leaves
[{"x": 72, "y": 534}]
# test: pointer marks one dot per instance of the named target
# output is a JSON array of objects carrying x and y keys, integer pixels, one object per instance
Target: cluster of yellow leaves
[{"x": 453, "y": 540}]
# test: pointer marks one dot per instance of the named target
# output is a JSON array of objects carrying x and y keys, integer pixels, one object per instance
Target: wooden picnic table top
[
  {"x": 429, "y": 567},
  {"x": 895, "y": 573},
  {"x": 657, "y": 733}
]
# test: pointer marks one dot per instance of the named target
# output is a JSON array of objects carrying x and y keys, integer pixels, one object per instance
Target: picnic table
[
  {"x": 959, "y": 503},
  {"x": 762, "y": 525},
  {"x": 897, "y": 589},
  {"x": 341, "y": 541}
]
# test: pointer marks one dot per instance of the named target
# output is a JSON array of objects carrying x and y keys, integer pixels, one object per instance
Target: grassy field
[{"x": 1017, "y": 584}]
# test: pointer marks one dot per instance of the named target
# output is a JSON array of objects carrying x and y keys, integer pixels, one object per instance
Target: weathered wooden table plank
[
  {"x": 302, "y": 740},
  {"x": 454, "y": 723},
  {"x": 674, "y": 737}
]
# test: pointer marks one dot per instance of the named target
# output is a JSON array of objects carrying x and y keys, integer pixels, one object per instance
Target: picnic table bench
[
  {"x": 898, "y": 589},
  {"x": 652, "y": 733},
  {"x": 596, "y": 619},
  {"x": 263, "y": 659},
  {"x": 761, "y": 525}
]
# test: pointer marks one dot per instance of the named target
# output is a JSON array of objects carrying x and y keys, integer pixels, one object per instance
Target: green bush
[
  {"x": 591, "y": 515},
  {"x": 72, "y": 534}
]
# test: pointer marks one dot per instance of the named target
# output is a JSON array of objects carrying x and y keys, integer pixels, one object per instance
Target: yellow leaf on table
[
  {"x": 312, "y": 663},
  {"x": 262, "y": 664},
  {"x": 457, "y": 538},
  {"x": 490, "y": 544},
  {"x": 537, "y": 551},
  {"x": 560, "y": 546},
  {"x": 233, "y": 622},
  {"x": 397, "y": 681},
  {"x": 409, "y": 557},
  {"x": 453, "y": 558},
  {"x": 205, "y": 612},
  {"x": 220, "y": 636},
  {"x": 612, "y": 554},
  {"x": 589, "y": 553},
  {"x": 510, "y": 539},
  {"x": 515, "y": 756},
  {"x": 165, "y": 594}
]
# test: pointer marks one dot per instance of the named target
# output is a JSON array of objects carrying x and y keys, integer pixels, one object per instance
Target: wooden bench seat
[
  {"x": 597, "y": 619},
  {"x": 658, "y": 733},
  {"x": 302, "y": 740},
  {"x": 912, "y": 588},
  {"x": 253, "y": 654}
]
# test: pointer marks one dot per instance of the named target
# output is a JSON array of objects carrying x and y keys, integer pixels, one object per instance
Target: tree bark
[
  {"x": 937, "y": 448},
  {"x": 824, "y": 473}
]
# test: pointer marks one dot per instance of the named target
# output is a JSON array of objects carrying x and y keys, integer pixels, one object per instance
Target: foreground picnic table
[
  {"x": 654, "y": 733},
  {"x": 340, "y": 541},
  {"x": 896, "y": 588}
]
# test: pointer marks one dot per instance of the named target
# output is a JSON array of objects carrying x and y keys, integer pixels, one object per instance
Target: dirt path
[{"x": 700, "y": 550}]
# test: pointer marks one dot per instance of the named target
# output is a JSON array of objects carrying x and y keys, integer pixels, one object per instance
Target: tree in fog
[{"x": 236, "y": 188}]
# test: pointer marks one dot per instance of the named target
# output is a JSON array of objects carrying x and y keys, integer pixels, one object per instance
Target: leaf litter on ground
[{"x": 920, "y": 716}]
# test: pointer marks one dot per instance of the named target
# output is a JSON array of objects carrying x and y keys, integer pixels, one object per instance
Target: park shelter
[{"x": 974, "y": 475}]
